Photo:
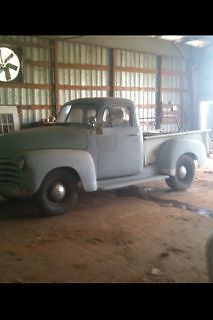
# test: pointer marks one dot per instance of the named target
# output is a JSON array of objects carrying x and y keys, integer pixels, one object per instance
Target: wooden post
[
  {"x": 158, "y": 110},
  {"x": 55, "y": 78},
  {"x": 111, "y": 73}
]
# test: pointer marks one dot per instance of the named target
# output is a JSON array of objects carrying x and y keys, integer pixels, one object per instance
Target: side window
[
  {"x": 106, "y": 119},
  {"x": 120, "y": 116},
  {"x": 75, "y": 116},
  {"x": 116, "y": 117}
]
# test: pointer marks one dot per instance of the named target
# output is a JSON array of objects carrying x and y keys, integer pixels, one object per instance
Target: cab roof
[{"x": 103, "y": 101}]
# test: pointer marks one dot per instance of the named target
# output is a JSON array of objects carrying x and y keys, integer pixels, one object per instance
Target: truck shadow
[
  {"x": 150, "y": 195},
  {"x": 18, "y": 209}
]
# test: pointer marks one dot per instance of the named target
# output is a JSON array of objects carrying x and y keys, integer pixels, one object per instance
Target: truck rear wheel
[
  {"x": 57, "y": 194},
  {"x": 185, "y": 171}
]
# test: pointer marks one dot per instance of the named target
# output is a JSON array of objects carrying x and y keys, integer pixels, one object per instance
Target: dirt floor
[{"x": 131, "y": 235}]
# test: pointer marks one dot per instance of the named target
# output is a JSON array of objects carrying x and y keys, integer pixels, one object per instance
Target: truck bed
[{"x": 153, "y": 140}]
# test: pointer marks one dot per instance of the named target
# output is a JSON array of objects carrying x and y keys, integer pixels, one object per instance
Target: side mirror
[{"x": 99, "y": 128}]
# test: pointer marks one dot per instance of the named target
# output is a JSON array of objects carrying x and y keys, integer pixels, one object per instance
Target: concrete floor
[{"x": 154, "y": 235}]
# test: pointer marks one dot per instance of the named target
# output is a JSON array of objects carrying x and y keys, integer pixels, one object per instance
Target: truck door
[{"x": 120, "y": 146}]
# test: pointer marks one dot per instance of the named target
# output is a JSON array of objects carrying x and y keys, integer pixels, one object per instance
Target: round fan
[{"x": 9, "y": 64}]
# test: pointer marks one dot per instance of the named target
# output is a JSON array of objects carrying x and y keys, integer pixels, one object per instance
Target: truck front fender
[
  {"x": 172, "y": 149},
  {"x": 40, "y": 162}
]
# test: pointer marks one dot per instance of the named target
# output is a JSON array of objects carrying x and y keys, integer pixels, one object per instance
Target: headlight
[{"x": 21, "y": 162}]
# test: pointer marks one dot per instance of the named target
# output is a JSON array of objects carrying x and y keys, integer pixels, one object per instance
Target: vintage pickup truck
[{"x": 95, "y": 144}]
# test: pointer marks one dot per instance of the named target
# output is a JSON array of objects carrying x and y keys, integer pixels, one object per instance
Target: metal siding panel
[
  {"x": 141, "y": 56},
  {"x": 77, "y": 53},
  {"x": 77, "y": 77},
  {"x": 105, "y": 78},
  {"x": 83, "y": 54},
  {"x": 2, "y": 96},
  {"x": 98, "y": 53},
  {"x": 72, "y": 53},
  {"x": 94, "y": 55},
  {"x": 117, "y": 58},
  {"x": 66, "y": 52},
  {"x": 60, "y": 52},
  {"x": 35, "y": 52},
  {"x": 61, "y": 97},
  {"x": 105, "y": 56}
]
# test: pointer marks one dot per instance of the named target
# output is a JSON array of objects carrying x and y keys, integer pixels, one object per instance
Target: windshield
[{"x": 77, "y": 113}]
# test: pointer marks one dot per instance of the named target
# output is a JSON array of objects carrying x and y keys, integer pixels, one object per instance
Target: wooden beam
[
  {"x": 81, "y": 66},
  {"x": 173, "y": 90},
  {"x": 158, "y": 110},
  {"x": 119, "y": 88},
  {"x": 73, "y": 87},
  {"x": 173, "y": 73},
  {"x": 111, "y": 73},
  {"x": 25, "y": 85},
  {"x": 35, "y": 107},
  {"x": 37, "y": 63},
  {"x": 134, "y": 69},
  {"x": 23, "y": 44},
  {"x": 55, "y": 81}
]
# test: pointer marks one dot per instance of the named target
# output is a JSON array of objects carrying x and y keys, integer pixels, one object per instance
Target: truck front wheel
[
  {"x": 185, "y": 171},
  {"x": 57, "y": 194}
]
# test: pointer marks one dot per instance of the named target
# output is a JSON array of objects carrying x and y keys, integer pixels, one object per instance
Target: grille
[{"x": 9, "y": 172}]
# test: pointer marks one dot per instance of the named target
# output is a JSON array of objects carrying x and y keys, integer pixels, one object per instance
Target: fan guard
[{"x": 9, "y": 64}]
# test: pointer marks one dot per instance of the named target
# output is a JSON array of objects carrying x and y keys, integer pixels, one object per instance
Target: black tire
[
  {"x": 46, "y": 197},
  {"x": 183, "y": 182}
]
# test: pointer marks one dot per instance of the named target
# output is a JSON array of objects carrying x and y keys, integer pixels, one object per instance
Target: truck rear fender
[
  {"x": 172, "y": 149},
  {"x": 40, "y": 162}
]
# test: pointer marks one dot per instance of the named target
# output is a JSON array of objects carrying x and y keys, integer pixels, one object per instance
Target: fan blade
[
  {"x": 1, "y": 57},
  {"x": 11, "y": 66},
  {"x": 7, "y": 74},
  {"x": 8, "y": 58}
]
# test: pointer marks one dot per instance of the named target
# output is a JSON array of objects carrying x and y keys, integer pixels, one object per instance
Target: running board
[{"x": 109, "y": 184}]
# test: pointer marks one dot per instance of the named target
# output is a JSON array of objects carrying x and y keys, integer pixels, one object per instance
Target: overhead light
[
  {"x": 197, "y": 43},
  {"x": 171, "y": 38}
]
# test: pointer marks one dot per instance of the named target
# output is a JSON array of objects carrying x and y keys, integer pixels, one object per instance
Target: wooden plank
[
  {"x": 82, "y": 66},
  {"x": 158, "y": 93},
  {"x": 73, "y": 87},
  {"x": 37, "y": 63},
  {"x": 55, "y": 79},
  {"x": 119, "y": 88},
  {"x": 111, "y": 72},
  {"x": 25, "y": 85},
  {"x": 35, "y": 107},
  {"x": 135, "y": 69},
  {"x": 24, "y": 44},
  {"x": 173, "y": 90},
  {"x": 173, "y": 72}
]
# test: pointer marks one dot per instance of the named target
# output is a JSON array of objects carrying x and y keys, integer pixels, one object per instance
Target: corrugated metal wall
[
  {"x": 135, "y": 79},
  {"x": 206, "y": 74},
  {"x": 32, "y": 96},
  {"x": 173, "y": 92},
  {"x": 82, "y": 71},
  {"x": 55, "y": 74}
]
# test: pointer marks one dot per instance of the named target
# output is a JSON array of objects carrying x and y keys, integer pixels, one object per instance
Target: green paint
[{"x": 51, "y": 137}]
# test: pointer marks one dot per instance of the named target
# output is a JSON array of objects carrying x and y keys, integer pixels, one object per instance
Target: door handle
[{"x": 133, "y": 134}]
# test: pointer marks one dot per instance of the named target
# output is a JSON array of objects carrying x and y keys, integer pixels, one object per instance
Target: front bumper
[{"x": 13, "y": 191}]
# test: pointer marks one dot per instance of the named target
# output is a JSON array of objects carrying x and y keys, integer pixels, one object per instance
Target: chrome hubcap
[
  {"x": 57, "y": 192},
  {"x": 182, "y": 172}
]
